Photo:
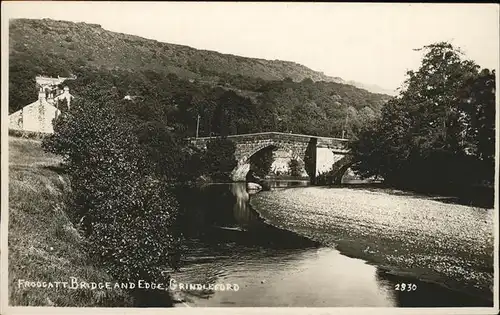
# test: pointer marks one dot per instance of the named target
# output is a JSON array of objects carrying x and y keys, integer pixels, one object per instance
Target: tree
[
  {"x": 219, "y": 158},
  {"x": 429, "y": 133},
  {"x": 164, "y": 155},
  {"x": 262, "y": 161},
  {"x": 234, "y": 114},
  {"x": 128, "y": 212},
  {"x": 477, "y": 102},
  {"x": 308, "y": 118},
  {"x": 295, "y": 167}
]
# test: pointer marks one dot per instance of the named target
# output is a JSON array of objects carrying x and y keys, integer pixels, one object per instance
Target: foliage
[
  {"x": 439, "y": 130},
  {"x": 165, "y": 154},
  {"x": 262, "y": 161},
  {"x": 477, "y": 101},
  {"x": 97, "y": 47},
  {"x": 37, "y": 191},
  {"x": 126, "y": 208},
  {"x": 295, "y": 167},
  {"x": 219, "y": 159},
  {"x": 233, "y": 115},
  {"x": 230, "y": 94}
]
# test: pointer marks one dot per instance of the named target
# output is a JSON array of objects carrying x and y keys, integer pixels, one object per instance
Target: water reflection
[
  {"x": 308, "y": 277},
  {"x": 286, "y": 183},
  {"x": 229, "y": 243},
  {"x": 241, "y": 209},
  {"x": 221, "y": 214}
]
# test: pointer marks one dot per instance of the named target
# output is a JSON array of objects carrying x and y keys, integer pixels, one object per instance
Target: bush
[
  {"x": 219, "y": 159},
  {"x": 262, "y": 161},
  {"x": 295, "y": 167},
  {"x": 127, "y": 212},
  {"x": 134, "y": 240},
  {"x": 164, "y": 154}
]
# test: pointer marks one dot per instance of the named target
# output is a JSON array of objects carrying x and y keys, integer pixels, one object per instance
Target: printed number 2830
[{"x": 405, "y": 287}]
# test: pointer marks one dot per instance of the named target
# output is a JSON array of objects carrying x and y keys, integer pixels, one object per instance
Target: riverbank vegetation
[
  {"x": 44, "y": 245},
  {"x": 124, "y": 166},
  {"x": 261, "y": 162},
  {"x": 439, "y": 132},
  {"x": 219, "y": 160},
  {"x": 120, "y": 167},
  {"x": 106, "y": 189}
]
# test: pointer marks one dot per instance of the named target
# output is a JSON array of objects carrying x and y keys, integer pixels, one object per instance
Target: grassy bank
[
  {"x": 43, "y": 244},
  {"x": 448, "y": 244}
]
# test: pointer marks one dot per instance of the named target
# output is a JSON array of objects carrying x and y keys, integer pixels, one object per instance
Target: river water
[{"x": 228, "y": 242}]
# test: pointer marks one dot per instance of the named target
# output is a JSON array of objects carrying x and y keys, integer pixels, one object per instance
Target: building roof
[{"x": 42, "y": 80}]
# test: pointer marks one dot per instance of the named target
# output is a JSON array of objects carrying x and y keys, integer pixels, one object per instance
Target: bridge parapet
[
  {"x": 336, "y": 145},
  {"x": 279, "y": 136},
  {"x": 328, "y": 151}
]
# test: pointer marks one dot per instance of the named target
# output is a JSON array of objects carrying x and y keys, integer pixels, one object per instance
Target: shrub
[
  {"x": 132, "y": 235},
  {"x": 324, "y": 178},
  {"x": 127, "y": 212},
  {"x": 295, "y": 167},
  {"x": 219, "y": 159},
  {"x": 262, "y": 161}
]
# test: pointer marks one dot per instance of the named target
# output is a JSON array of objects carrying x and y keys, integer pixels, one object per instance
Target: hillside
[
  {"x": 92, "y": 45},
  {"x": 273, "y": 95}
]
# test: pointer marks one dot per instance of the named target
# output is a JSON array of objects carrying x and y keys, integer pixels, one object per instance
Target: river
[{"x": 229, "y": 242}]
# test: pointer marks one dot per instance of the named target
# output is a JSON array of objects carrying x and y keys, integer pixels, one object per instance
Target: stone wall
[
  {"x": 325, "y": 158},
  {"x": 286, "y": 150},
  {"x": 288, "y": 146}
]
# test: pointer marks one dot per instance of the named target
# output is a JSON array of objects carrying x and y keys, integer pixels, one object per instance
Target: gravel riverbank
[{"x": 434, "y": 241}]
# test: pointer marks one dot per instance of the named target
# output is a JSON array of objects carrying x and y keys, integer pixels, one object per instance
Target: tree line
[
  {"x": 439, "y": 133},
  {"x": 229, "y": 104}
]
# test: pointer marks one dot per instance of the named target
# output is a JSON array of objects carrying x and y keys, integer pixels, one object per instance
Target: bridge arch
[
  {"x": 244, "y": 162},
  {"x": 339, "y": 168},
  {"x": 244, "y": 165},
  {"x": 337, "y": 179},
  {"x": 306, "y": 148},
  {"x": 257, "y": 149}
]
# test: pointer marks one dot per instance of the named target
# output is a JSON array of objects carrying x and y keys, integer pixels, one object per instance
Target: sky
[{"x": 368, "y": 43}]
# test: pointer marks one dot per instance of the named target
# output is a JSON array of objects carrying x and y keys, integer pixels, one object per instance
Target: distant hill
[
  {"x": 91, "y": 45},
  {"x": 372, "y": 88},
  {"x": 232, "y": 93}
]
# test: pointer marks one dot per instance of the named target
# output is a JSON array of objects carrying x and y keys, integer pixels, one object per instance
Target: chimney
[
  {"x": 41, "y": 93},
  {"x": 67, "y": 96}
]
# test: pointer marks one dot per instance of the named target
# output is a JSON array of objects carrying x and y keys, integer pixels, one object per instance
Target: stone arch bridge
[{"x": 317, "y": 155}]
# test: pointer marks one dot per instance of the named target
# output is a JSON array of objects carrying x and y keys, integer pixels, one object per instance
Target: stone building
[{"x": 38, "y": 116}]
